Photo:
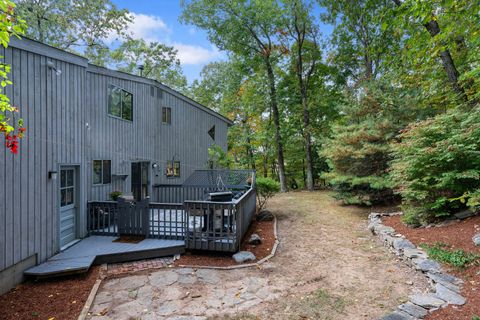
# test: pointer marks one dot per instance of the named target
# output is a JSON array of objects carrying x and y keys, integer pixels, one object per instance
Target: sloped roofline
[{"x": 58, "y": 54}]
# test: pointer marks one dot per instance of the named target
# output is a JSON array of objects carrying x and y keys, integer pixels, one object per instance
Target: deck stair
[{"x": 101, "y": 249}]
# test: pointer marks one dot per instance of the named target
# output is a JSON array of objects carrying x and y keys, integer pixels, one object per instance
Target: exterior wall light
[
  {"x": 52, "y": 66},
  {"x": 52, "y": 175}
]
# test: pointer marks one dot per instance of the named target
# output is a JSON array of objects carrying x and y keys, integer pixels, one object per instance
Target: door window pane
[
  {"x": 69, "y": 182},
  {"x": 63, "y": 178},
  {"x": 107, "y": 171},
  {"x": 69, "y": 196}
]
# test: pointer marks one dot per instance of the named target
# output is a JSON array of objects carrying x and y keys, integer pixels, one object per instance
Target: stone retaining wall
[{"x": 445, "y": 289}]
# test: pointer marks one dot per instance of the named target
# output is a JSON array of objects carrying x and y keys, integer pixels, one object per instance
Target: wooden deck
[{"x": 101, "y": 249}]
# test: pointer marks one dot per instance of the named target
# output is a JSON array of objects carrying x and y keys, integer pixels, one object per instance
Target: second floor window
[
  {"x": 167, "y": 115},
  {"x": 120, "y": 103},
  {"x": 102, "y": 171}
]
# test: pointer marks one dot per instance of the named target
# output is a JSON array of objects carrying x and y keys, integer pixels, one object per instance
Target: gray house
[{"x": 90, "y": 131}]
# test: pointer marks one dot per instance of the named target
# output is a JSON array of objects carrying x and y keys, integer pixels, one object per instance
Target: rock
[
  {"x": 413, "y": 310},
  {"x": 476, "y": 239},
  {"x": 448, "y": 295},
  {"x": 254, "y": 239},
  {"x": 414, "y": 253},
  {"x": 208, "y": 276},
  {"x": 371, "y": 226},
  {"x": 380, "y": 228},
  {"x": 426, "y": 265},
  {"x": 427, "y": 301},
  {"x": 387, "y": 239},
  {"x": 401, "y": 244},
  {"x": 265, "y": 216},
  {"x": 243, "y": 256},
  {"x": 398, "y": 315},
  {"x": 448, "y": 281},
  {"x": 464, "y": 214},
  {"x": 443, "y": 277},
  {"x": 163, "y": 278}
]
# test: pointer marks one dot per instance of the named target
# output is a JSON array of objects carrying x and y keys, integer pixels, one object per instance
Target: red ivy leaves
[{"x": 11, "y": 140}]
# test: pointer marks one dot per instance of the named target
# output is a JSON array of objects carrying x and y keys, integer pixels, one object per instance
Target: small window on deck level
[
  {"x": 173, "y": 169},
  {"x": 167, "y": 115},
  {"x": 102, "y": 171}
]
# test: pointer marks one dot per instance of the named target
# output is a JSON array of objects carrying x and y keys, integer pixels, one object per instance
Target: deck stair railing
[{"x": 189, "y": 215}]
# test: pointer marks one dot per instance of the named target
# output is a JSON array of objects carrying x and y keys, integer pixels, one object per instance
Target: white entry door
[{"x": 68, "y": 205}]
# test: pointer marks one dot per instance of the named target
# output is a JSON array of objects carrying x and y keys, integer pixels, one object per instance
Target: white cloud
[
  {"x": 148, "y": 27},
  {"x": 194, "y": 55}
]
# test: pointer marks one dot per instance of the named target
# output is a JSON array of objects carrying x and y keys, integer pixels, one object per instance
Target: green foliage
[
  {"x": 436, "y": 166},
  {"x": 159, "y": 61},
  {"x": 114, "y": 195},
  {"x": 76, "y": 26},
  {"x": 359, "y": 151},
  {"x": 475, "y": 317},
  {"x": 457, "y": 258},
  {"x": 218, "y": 158},
  {"x": 266, "y": 188},
  {"x": 10, "y": 25},
  {"x": 88, "y": 28}
]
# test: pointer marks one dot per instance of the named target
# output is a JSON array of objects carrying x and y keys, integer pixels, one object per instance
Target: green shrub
[
  {"x": 436, "y": 166},
  {"x": 114, "y": 195},
  {"x": 359, "y": 152},
  {"x": 266, "y": 188},
  {"x": 457, "y": 258}
]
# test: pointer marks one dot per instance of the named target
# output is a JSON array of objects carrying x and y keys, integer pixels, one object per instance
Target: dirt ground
[
  {"x": 336, "y": 268},
  {"x": 53, "y": 299},
  {"x": 328, "y": 266}
]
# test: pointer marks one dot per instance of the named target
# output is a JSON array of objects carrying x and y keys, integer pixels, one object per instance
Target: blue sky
[{"x": 157, "y": 20}]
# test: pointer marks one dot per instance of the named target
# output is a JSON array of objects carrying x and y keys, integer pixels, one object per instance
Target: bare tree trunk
[
  {"x": 447, "y": 61},
  {"x": 276, "y": 122}
]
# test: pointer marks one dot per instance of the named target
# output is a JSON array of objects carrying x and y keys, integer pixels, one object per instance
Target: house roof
[{"x": 58, "y": 54}]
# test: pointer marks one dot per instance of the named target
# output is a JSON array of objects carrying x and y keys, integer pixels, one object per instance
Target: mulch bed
[
  {"x": 457, "y": 235},
  {"x": 52, "y": 299},
  {"x": 263, "y": 228}
]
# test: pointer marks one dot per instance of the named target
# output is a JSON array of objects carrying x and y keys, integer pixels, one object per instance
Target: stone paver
[{"x": 182, "y": 293}]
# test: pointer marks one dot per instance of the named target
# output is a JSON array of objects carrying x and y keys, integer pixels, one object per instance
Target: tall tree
[
  {"x": 249, "y": 29},
  {"x": 426, "y": 13},
  {"x": 76, "y": 26},
  {"x": 159, "y": 62},
  {"x": 306, "y": 54}
]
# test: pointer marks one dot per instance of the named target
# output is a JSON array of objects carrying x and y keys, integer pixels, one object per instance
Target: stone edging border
[
  {"x": 93, "y": 293},
  {"x": 444, "y": 288},
  {"x": 248, "y": 265}
]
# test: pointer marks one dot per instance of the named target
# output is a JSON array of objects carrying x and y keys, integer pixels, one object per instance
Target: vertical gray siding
[
  {"x": 56, "y": 110},
  {"x": 50, "y": 107}
]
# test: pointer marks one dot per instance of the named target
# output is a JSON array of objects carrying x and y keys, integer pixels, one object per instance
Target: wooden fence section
[{"x": 167, "y": 221}]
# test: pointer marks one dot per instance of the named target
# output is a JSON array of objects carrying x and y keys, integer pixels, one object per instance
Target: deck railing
[
  {"x": 167, "y": 221},
  {"x": 177, "y": 193},
  {"x": 219, "y": 226},
  {"x": 185, "y": 215}
]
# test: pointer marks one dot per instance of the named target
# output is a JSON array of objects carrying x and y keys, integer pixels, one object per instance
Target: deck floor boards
[{"x": 82, "y": 255}]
